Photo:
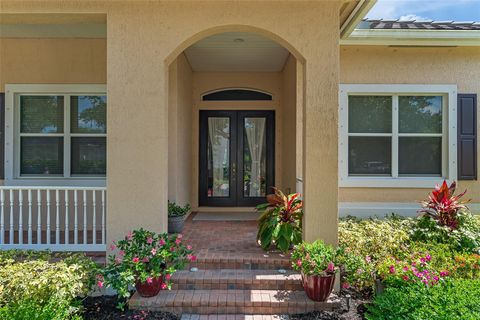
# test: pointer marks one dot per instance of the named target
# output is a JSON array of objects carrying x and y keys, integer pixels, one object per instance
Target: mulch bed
[
  {"x": 104, "y": 308},
  {"x": 354, "y": 310}
]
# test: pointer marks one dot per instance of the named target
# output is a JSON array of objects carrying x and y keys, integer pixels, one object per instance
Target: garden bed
[{"x": 104, "y": 308}]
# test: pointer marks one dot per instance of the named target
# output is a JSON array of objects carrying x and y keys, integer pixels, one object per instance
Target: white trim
[
  {"x": 56, "y": 247},
  {"x": 449, "y": 171},
  {"x": 12, "y": 140},
  {"x": 409, "y": 37},
  {"x": 382, "y": 209}
]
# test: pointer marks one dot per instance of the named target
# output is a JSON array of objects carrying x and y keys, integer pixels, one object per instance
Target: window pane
[
  {"x": 420, "y": 114},
  {"x": 41, "y": 114},
  {"x": 369, "y": 155},
  {"x": 369, "y": 114},
  {"x": 41, "y": 155},
  {"x": 218, "y": 157},
  {"x": 420, "y": 156},
  {"x": 88, "y": 114},
  {"x": 254, "y": 158},
  {"x": 89, "y": 155}
]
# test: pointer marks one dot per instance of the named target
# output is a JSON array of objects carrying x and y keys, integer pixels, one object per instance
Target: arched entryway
[{"x": 235, "y": 119}]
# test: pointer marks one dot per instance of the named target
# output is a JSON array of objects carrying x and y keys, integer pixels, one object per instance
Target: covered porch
[{"x": 157, "y": 91}]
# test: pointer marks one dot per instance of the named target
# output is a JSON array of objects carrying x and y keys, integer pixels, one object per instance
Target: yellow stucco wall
[
  {"x": 52, "y": 61},
  {"x": 289, "y": 124},
  {"x": 180, "y": 156},
  {"x": 394, "y": 65}
]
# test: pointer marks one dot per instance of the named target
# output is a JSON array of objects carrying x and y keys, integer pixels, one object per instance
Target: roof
[{"x": 383, "y": 24}]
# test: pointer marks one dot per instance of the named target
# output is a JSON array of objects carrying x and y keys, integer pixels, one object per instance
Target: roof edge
[
  {"x": 357, "y": 14},
  {"x": 413, "y": 37}
]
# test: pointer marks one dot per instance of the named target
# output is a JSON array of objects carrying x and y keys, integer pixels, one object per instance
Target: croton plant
[
  {"x": 443, "y": 206},
  {"x": 143, "y": 256},
  {"x": 281, "y": 221}
]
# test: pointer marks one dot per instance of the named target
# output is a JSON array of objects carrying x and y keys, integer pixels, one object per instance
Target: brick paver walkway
[{"x": 236, "y": 279}]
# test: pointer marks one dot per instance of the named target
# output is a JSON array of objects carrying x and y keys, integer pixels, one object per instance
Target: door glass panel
[
  {"x": 254, "y": 157},
  {"x": 218, "y": 157}
]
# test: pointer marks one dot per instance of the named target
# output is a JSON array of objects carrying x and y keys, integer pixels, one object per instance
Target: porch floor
[{"x": 229, "y": 245}]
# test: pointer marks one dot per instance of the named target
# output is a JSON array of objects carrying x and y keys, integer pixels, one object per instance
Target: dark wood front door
[{"x": 237, "y": 157}]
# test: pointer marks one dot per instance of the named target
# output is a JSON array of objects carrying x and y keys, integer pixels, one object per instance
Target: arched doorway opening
[{"x": 235, "y": 119}]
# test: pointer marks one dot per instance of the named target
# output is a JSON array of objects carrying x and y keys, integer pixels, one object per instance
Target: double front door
[{"x": 236, "y": 157}]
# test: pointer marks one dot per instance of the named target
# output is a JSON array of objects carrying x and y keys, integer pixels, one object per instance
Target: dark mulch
[
  {"x": 353, "y": 308},
  {"x": 104, "y": 308}
]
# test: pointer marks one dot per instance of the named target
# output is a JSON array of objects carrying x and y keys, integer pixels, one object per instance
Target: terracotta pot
[
  {"x": 146, "y": 289},
  {"x": 318, "y": 288}
]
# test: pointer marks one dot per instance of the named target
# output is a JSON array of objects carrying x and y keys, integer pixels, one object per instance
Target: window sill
[
  {"x": 57, "y": 182},
  {"x": 388, "y": 182}
]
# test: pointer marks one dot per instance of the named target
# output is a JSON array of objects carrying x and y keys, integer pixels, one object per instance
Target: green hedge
[
  {"x": 40, "y": 285},
  {"x": 453, "y": 300}
]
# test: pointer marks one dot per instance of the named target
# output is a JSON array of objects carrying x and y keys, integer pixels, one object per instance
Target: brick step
[
  {"x": 232, "y": 302},
  {"x": 254, "y": 261},
  {"x": 234, "y": 317},
  {"x": 236, "y": 279}
]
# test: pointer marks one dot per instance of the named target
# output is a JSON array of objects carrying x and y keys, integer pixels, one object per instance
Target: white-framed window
[
  {"x": 397, "y": 135},
  {"x": 55, "y": 134}
]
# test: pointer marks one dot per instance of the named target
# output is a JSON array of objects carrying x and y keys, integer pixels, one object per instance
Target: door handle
[{"x": 234, "y": 171}]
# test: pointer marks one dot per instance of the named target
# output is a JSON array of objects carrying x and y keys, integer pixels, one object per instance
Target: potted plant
[
  {"x": 176, "y": 216},
  {"x": 144, "y": 260},
  {"x": 316, "y": 262},
  {"x": 281, "y": 221}
]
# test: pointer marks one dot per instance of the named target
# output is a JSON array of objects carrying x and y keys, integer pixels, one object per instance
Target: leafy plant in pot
[
  {"x": 176, "y": 216},
  {"x": 316, "y": 262},
  {"x": 281, "y": 221},
  {"x": 144, "y": 260}
]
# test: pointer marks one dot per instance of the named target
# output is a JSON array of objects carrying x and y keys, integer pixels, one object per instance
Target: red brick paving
[{"x": 236, "y": 278}]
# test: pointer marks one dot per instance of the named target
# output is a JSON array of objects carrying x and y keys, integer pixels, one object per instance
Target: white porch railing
[{"x": 54, "y": 218}]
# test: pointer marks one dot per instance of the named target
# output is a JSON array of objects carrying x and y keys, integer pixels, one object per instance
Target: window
[
  {"x": 397, "y": 135},
  {"x": 236, "y": 95},
  {"x": 55, "y": 132}
]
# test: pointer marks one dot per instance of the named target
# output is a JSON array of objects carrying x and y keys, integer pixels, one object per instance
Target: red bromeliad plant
[
  {"x": 281, "y": 221},
  {"x": 443, "y": 206}
]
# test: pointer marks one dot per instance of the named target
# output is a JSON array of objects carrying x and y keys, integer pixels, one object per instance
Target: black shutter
[
  {"x": 467, "y": 136},
  {"x": 2, "y": 135}
]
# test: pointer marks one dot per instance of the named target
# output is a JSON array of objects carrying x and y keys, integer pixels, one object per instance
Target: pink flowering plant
[
  {"x": 419, "y": 268},
  {"x": 315, "y": 258},
  {"x": 143, "y": 256}
]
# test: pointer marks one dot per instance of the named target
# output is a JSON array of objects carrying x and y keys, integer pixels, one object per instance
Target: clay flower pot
[
  {"x": 318, "y": 288},
  {"x": 146, "y": 289}
]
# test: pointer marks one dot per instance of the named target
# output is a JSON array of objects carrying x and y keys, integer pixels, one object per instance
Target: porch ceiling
[{"x": 236, "y": 51}]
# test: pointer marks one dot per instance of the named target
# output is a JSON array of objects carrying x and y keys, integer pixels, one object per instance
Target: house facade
[{"x": 112, "y": 108}]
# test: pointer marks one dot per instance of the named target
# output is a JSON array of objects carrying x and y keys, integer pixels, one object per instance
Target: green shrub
[
  {"x": 367, "y": 242},
  {"x": 41, "y": 285},
  {"x": 28, "y": 309},
  {"x": 464, "y": 238},
  {"x": 454, "y": 300}
]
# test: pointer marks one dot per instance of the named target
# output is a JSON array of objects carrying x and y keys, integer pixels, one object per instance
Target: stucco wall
[
  {"x": 289, "y": 124},
  {"x": 52, "y": 61},
  {"x": 180, "y": 132},
  {"x": 394, "y": 65},
  {"x": 138, "y": 55}
]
